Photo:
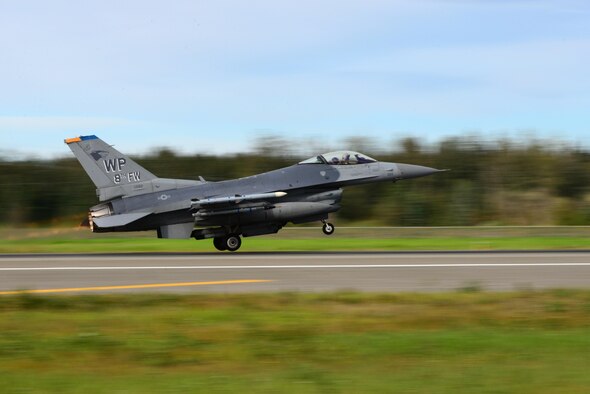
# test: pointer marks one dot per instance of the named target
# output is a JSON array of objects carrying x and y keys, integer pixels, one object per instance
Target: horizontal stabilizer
[
  {"x": 119, "y": 220},
  {"x": 176, "y": 231}
]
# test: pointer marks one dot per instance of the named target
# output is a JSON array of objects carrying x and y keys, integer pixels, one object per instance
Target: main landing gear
[
  {"x": 328, "y": 228},
  {"x": 231, "y": 242}
]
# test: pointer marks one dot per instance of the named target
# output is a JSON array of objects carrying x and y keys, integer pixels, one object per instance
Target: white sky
[{"x": 202, "y": 76}]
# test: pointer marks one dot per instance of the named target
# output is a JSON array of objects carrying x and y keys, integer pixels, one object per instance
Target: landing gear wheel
[
  {"x": 219, "y": 243},
  {"x": 328, "y": 228},
  {"x": 232, "y": 242}
]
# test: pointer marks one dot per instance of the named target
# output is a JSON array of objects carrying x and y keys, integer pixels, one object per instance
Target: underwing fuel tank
[
  {"x": 281, "y": 212},
  {"x": 292, "y": 210}
]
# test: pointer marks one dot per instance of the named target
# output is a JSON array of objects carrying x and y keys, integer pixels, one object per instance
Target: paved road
[{"x": 261, "y": 272}]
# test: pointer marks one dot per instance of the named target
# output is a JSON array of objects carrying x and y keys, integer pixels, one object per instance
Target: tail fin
[{"x": 105, "y": 165}]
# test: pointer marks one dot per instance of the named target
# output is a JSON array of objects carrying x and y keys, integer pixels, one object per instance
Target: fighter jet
[{"x": 133, "y": 199}]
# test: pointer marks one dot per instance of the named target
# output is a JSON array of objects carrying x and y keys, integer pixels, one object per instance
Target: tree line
[{"x": 490, "y": 183}]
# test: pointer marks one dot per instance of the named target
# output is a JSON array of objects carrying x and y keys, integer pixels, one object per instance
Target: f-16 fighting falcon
[{"x": 133, "y": 199}]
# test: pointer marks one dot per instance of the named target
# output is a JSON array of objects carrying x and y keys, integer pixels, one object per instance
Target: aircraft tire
[
  {"x": 219, "y": 243},
  {"x": 328, "y": 228},
  {"x": 232, "y": 242}
]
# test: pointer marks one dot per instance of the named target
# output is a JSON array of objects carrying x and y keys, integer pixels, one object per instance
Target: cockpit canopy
[{"x": 341, "y": 157}]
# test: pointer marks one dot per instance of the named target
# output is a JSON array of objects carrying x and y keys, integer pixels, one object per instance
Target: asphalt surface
[{"x": 307, "y": 272}]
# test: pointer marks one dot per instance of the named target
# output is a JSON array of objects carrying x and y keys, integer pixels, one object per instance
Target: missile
[
  {"x": 235, "y": 199},
  {"x": 232, "y": 211}
]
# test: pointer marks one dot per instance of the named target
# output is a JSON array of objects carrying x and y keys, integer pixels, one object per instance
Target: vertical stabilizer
[{"x": 106, "y": 166}]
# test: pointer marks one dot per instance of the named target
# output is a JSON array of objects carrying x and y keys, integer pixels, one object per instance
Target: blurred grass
[
  {"x": 80, "y": 240},
  {"x": 522, "y": 342},
  {"x": 104, "y": 245}
]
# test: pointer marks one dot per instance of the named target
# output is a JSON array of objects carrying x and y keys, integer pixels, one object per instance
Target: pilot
[
  {"x": 335, "y": 160},
  {"x": 361, "y": 159}
]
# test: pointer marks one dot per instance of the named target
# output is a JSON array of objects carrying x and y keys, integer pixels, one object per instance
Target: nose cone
[{"x": 409, "y": 171}]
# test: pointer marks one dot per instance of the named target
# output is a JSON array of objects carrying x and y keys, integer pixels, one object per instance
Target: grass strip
[
  {"x": 521, "y": 342},
  {"x": 105, "y": 245}
]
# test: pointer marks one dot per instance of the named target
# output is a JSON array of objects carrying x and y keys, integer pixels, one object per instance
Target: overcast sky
[{"x": 210, "y": 76}]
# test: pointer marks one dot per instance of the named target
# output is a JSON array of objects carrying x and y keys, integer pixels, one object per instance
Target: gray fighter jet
[{"x": 134, "y": 199}]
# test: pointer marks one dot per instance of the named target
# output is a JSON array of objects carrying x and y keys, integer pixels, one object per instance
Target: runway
[{"x": 302, "y": 272}]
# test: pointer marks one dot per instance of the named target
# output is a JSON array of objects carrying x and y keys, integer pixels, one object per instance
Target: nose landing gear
[{"x": 328, "y": 228}]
